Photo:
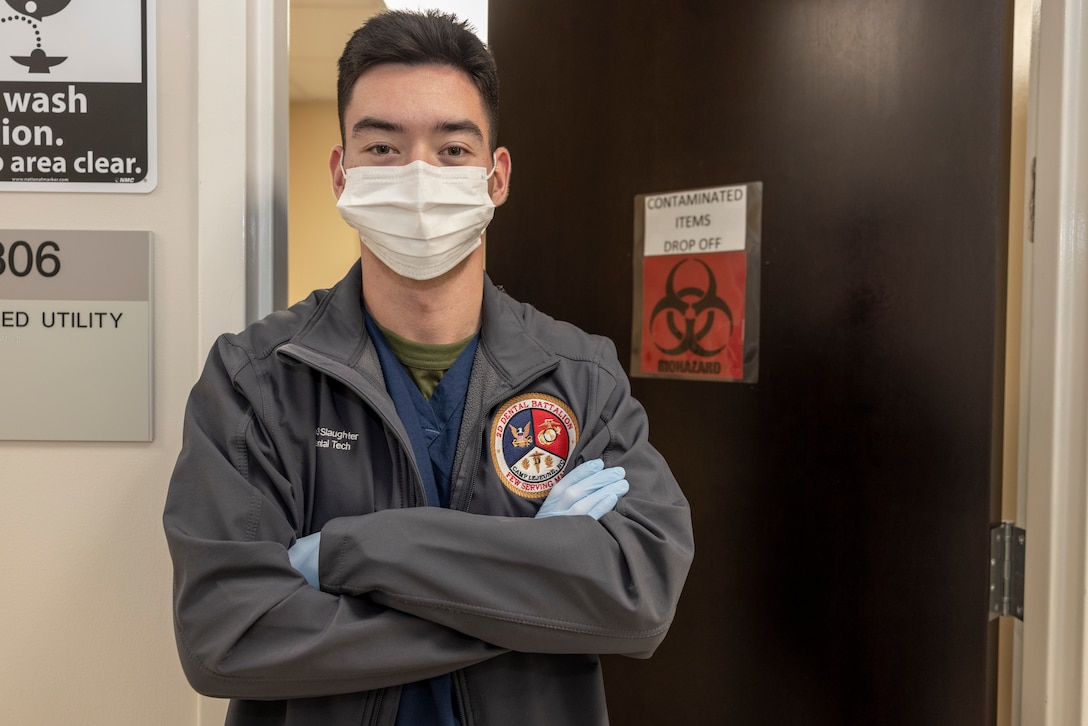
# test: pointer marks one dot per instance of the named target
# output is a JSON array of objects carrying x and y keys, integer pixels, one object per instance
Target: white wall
[{"x": 85, "y": 625}]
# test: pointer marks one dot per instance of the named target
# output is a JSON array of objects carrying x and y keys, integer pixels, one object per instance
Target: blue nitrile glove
[
  {"x": 590, "y": 489},
  {"x": 303, "y": 555}
]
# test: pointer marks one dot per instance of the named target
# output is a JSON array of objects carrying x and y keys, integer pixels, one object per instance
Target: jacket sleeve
[
  {"x": 247, "y": 624},
  {"x": 553, "y": 585}
]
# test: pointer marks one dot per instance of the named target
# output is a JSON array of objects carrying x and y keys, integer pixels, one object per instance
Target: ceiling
[{"x": 318, "y": 31}]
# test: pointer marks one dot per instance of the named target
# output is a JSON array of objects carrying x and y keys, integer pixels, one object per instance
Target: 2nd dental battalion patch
[{"x": 531, "y": 439}]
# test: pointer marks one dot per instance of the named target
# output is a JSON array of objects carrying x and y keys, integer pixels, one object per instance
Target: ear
[
  {"x": 336, "y": 170},
  {"x": 499, "y": 184}
]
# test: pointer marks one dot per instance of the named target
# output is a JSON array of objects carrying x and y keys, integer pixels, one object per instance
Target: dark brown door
[{"x": 842, "y": 503}]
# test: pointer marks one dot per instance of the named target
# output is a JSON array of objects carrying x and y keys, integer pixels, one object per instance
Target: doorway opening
[{"x": 321, "y": 248}]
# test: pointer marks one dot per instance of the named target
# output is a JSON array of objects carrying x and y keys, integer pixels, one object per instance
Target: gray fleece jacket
[{"x": 290, "y": 431}]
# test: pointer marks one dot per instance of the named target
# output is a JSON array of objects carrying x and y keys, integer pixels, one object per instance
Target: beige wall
[
  {"x": 321, "y": 247},
  {"x": 85, "y": 626}
]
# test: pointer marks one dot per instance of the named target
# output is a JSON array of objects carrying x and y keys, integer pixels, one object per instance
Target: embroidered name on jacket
[
  {"x": 531, "y": 439},
  {"x": 326, "y": 438}
]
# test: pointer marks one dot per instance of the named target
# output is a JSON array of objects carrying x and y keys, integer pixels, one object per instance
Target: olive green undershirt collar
[{"x": 426, "y": 363}]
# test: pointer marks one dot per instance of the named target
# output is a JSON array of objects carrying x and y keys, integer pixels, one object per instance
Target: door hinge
[{"x": 1007, "y": 547}]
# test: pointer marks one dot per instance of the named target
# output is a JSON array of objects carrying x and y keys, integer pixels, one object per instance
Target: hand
[
  {"x": 304, "y": 557},
  {"x": 589, "y": 489}
]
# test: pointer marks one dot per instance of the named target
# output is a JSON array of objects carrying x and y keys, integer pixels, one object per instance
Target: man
[{"x": 410, "y": 499}]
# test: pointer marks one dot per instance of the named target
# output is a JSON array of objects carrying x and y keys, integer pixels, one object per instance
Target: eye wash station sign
[{"x": 77, "y": 101}]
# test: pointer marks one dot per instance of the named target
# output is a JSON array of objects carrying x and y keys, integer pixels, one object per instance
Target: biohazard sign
[
  {"x": 77, "y": 96},
  {"x": 696, "y": 286}
]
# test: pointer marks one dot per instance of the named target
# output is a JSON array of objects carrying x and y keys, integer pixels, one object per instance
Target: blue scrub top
[{"x": 432, "y": 427}]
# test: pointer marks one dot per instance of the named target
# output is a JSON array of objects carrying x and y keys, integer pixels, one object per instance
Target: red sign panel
[{"x": 693, "y": 315}]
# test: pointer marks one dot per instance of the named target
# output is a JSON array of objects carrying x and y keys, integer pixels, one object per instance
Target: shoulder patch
[{"x": 532, "y": 438}]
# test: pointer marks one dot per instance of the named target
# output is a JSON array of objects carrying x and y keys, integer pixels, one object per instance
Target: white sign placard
[
  {"x": 75, "y": 336},
  {"x": 695, "y": 221},
  {"x": 77, "y": 96}
]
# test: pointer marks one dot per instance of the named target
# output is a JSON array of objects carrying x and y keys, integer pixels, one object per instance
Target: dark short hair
[{"x": 417, "y": 39}]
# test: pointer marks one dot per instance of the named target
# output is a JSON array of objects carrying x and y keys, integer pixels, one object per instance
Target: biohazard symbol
[{"x": 693, "y": 307}]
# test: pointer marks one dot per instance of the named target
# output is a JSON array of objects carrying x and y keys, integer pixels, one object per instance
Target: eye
[
  {"x": 380, "y": 149},
  {"x": 456, "y": 151}
]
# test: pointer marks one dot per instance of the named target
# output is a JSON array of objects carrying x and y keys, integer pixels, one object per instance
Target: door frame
[
  {"x": 241, "y": 167},
  {"x": 242, "y": 162},
  {"x": 1054, "y": 419}
]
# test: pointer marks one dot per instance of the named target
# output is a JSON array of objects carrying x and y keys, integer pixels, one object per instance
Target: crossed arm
[
  {"x": 407, "y": 594},
  {"x": 590, "y": 490}
]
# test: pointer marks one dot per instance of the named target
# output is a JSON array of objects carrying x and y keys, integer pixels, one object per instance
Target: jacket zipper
[
  {"x": 481, "y": 430},
  {"x": 378, "y": 698},
  {"x": 474, "y": 470},
  {"x": 461, "y": 697},
  {"x": 315, "y": 361},
  {"x": 303, "y": 356}
]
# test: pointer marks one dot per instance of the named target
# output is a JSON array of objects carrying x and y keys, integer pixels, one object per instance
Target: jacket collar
[
  {"x": 336, "y": 330},
  {"x": 507, "y": 339}
]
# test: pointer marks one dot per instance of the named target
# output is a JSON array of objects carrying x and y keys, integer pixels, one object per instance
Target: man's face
[{"x": 398, "y": 114}]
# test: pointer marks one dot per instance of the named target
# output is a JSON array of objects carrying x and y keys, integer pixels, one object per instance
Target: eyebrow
[
  {"x": 464, "y": 126},
  {"x": 373, "y": 123},
  {"x": 376, "y": 124}
]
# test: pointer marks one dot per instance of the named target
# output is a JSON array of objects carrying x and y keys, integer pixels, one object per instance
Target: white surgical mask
[{"x": 418, "y": 219}]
